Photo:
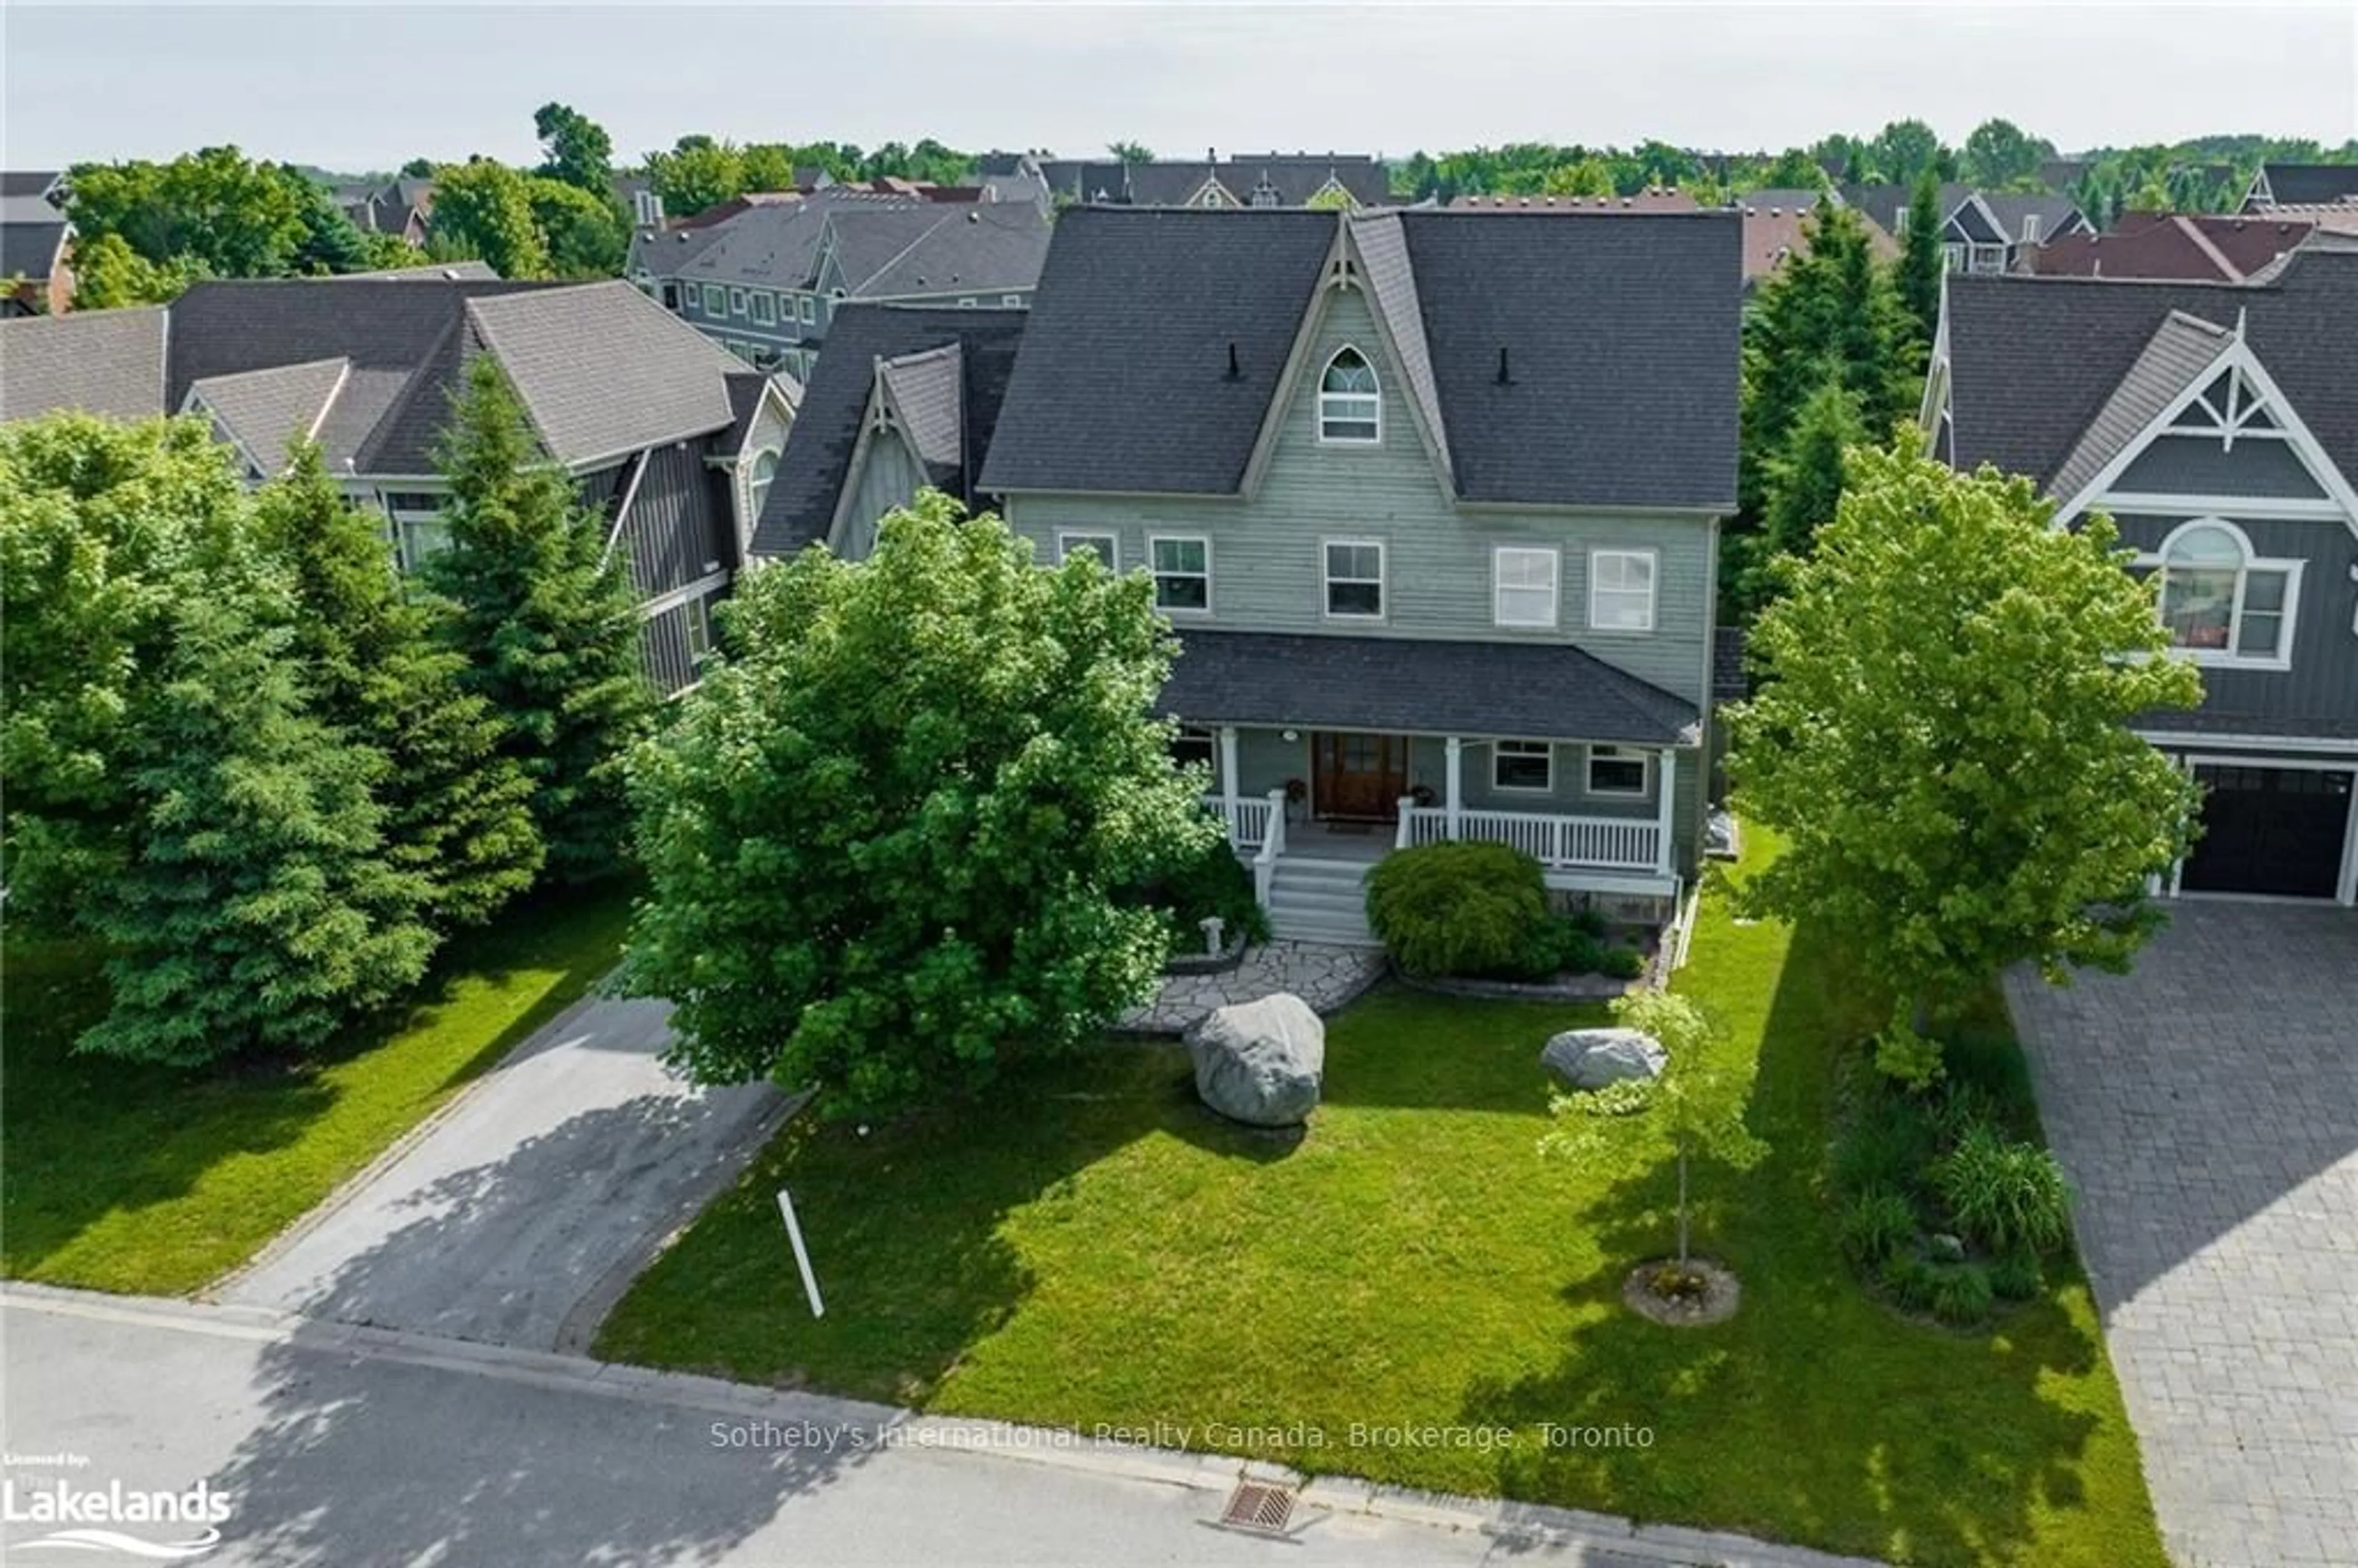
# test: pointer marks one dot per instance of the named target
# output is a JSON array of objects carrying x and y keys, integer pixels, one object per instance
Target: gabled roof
[
  {"x": 2033, "y": 361},
  {"x": 603, "y": 370},
  {"x": 40, "y": 183},
  {"x": 31, "y": 250},
  {"x": 2306, "y": 183},
  {"x": 746, "y": 390},
  {"x": 1663, "y": 198},
  {"x": 935, "y": 249},
  {"x": 1540, "y": 691},
  {"x": 1617, "y": 336},
  {"x": 263, "y": 410},
  {"x": 2180, "y": 353},
  {"x": 1280, "y": 179},
  {"x": 835, "y": 405},
  {"x": 99, "y": 361},
  {"x": 926, "y": 392},
  {"x": 2190, "y": 247}
]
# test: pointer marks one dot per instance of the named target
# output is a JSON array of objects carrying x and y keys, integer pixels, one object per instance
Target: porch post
[
  {"x": 1228, "y": 775},
  {"x": 1453, "y": 799},
  {"x": 1666, "y": 790}
]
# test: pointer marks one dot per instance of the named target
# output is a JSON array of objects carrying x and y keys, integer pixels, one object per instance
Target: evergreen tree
[
  {"x": 381, "y": 668},
  {"x": 1804, "y": 486},
  {"x": 1921, "y": 259},
  {"x": 257, "y": 909},
  {"x": 546, "y": 620}
]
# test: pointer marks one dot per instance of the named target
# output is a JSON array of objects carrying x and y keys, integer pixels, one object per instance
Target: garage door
[{"x": 2272, "y": 830}]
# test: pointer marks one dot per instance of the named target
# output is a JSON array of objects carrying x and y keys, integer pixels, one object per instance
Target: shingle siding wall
[
  {"x": 1267, "y": 555},
  {"x": 2320, "y": 694},
  {"x": 2199, "y": 465}
]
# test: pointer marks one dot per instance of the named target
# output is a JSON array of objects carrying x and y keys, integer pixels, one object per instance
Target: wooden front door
[{"x": 1358, "y": 778}]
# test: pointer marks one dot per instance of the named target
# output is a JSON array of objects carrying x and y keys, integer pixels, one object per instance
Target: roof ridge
[{"x": 2216, "y": 256}]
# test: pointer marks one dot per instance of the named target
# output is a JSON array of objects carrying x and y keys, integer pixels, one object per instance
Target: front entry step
[{"x": 1320, "y": 901}]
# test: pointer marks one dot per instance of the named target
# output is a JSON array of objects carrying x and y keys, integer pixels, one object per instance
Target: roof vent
[
  {"x": 1236, "y": 373},
  {"x": 1505, "y": 379},
  {"x": 973, "y": 217}
]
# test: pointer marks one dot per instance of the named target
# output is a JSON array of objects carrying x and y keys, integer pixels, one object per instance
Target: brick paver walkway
[{"x": 2206, "y": 1109}]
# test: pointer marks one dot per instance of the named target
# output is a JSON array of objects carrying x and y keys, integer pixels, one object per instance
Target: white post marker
[{"x": 802, "y": 1254}]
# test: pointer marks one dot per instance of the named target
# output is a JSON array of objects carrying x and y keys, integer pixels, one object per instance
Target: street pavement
[
  {"x": 517, "y": 1216},
  {"x": 335, "y": 1445}
]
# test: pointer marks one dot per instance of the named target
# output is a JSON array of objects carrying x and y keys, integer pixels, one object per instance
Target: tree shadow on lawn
[
  {"x": 92, "y": 1139},
  {"x": 1403, "y": 1048},
  {"x": 1816, "y": 1413}
]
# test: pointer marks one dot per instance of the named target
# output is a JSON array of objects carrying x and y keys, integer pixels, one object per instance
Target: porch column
[
  {"x": 1453, "y": 797},
  {"x": 1228, "y": 775},
  {"x": 1666, "y": 790}
]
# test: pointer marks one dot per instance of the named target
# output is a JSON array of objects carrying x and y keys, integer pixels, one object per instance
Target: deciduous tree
[
  {"x": 484, "y": 208},
  {"x": 575, "y": 149},
  {"x": 893, "y": 835},
  {"x": 1946, "y": 741}
]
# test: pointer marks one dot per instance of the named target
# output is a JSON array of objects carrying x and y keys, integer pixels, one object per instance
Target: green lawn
[
  {"x": 1091, "y": 1248},
  {"x": 124, "y": 1177}
]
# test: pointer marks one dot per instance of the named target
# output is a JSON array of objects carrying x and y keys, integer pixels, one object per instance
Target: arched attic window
[
  {"x": 1350, "y": 405},
  {"x": 765, "y": 468},
  {"x": 2221, "y": 601}
]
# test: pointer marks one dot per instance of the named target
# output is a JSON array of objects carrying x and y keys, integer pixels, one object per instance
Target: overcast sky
[{"x": 358, "y": 87}]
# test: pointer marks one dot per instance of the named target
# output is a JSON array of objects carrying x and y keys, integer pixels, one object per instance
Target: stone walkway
[
  {"x": 2206, "y": 1109},
  {"x": 1327, "y": 978}
]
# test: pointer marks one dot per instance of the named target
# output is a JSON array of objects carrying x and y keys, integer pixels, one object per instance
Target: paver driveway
[
  {"x": 2206, "y": 1108},
  {"x": 516, "y": 1216}
]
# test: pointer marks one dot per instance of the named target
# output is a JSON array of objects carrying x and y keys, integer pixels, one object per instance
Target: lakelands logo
[{"x": 89, "y": 1515}]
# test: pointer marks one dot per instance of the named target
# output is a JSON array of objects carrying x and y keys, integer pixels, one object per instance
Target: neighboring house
[
  {"x": 35, "y": 246},
  {"x": 2218, "y": 426},
  {"x": 765, "y": 281},
  {"x": 1433, "y": 500},
  {"x": 1654, "y": 199},
  {"x": 670, "y": 439},
  {"x": 2188, "y": 247},
  {"x": 2301, "y": 185},
  {"x": 905, "y": 400},
  {"x": 1774, "y": 232},
  {"x": 402, "y": 207},
  {"x": 1980, "y": 231},
  {"x": 1242, "y": 179}
]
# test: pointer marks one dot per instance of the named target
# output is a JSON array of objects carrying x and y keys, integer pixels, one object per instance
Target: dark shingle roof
[
  {"x": 264, "y": 410},
  {"x": 2033, "y": 360},
  {"x": 99, "y": 361},
  {"x": 1539, "y": 690},
  {"x": 1282, "y": 180},
  {"x": 1731, "y": 673},
  {"x": 2192, "y": 247},
  {"x": 987, "y": 247},
  {"x": 29, "y": 247},
  {"x": 2303, "y": 183},
  {"x": 603, "y": 370},
  {"x": 1620, "y": 336},
  {"x": 745, "y": 390},
  {"x": 811, "y": 473}
]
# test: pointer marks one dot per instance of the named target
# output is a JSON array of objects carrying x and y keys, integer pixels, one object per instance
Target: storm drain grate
[{"x": 1259, "y": 1507}]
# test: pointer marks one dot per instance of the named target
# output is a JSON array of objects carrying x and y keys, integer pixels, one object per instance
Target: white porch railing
[
  {"x": 1597, "y": 843},
  {"x": 1272, "y": 845},
  {"x": 1248, "y": 817}
]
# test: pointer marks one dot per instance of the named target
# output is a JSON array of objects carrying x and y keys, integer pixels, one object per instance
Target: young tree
[
  {"x": 109, "y": 275},
  {"x": 1923, "y": 262},
  {"x": 547, "y": 622},
  {"x": 1946, "y": 743},
  {"x": 884, "y": 863},
  {"x": 576, "y": 149},
  {"x": 485, "y": 209},
  {"x": 376, "y": 656},
  {"x": 1803, "y": 489}
]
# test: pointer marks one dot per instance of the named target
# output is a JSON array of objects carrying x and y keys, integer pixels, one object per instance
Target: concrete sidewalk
[{"x": 517, "y": 1214}]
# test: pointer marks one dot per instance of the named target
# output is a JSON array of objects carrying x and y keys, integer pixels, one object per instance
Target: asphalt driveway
[
  {"x": 2206, "y": 1109},
  {"x": 517, "y": 1214}
]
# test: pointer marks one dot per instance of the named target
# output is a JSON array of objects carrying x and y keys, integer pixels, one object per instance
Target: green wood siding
[{"x": 1267, "y": 553}]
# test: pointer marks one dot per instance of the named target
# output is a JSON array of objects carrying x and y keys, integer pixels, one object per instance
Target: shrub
[
  {"x": 1621, "y": 963},
  {"x": 1889, "y": 1141},
  {"x": 1961, "y": 1106},
  {"x": 1215, "y": 883},
  {"x": 1908, "y": 1279},
  {"x": 1876, "y": 1224},
  {"x": 1910, "y": 1057},
  {"x": 1960, "y": 1295},
  {"x": 1460, "y": 909},
  {"x": 1589, "y": 923},
  {"x": 2008, "y": 1196},
  {"x": 2016, "y": 1277}
]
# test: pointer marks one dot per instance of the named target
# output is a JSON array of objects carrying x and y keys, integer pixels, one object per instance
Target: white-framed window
[
  {"x": 2222, "y": 603},
  {"x": 2031, "y": 228},
  {"x": 671, "y": 297},
  {"x": 1355, "y": 578},
  {"x": 1987, "y": 258},
  {"x": 968, "y": 303},
  {"x": 1619, "y": 771},
  {"x": 1956, "y": 253},
  {"x": 699, "y": 631},
  {"x": 1522, "y": 767},
  {"x": 421, "y": 535},
  {"x": 736, "y": 302},
  {"x": 809, "y": 307},
  {"x": 765, "y": 469},
  {"x": 1621, "y": 590},
  {"x": 1011, "y": 299},
  {"x": 1191, "y": 746},
  {"x": 1183, "y": 573},
  {"x": 716, "y": 300},
  {"x": 1523, "y": 586},
  {"x": 1350, "y": 404},
  {"x": 1108, "y": 550},
  {"x": 765, "y": 309}
]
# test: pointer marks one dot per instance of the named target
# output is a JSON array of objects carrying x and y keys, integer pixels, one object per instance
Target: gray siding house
[
  {"x": 2218, "y": 426},
  {"x": 1432, "y": 501},
  {"x": 673, "y": 442}
]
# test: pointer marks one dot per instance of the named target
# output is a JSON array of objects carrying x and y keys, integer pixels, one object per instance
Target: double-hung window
[
  {"x": 1351, "y": 405},
  {"x": 2221, "y": 602},
  {"x": 765, "y": 309},
  {"x": 1523, "y": 587},
  {"x": 1621, "y": 590},
  {"x": 736, "y": 302},
  {"x": 1617, "y": 770},
  {"x": 1355, "y": 579},
  {"x": 1102, "y": 544},
  {"x": 809, "y": 307},
  {"x": 1195, "y": 748},
  {"x": 1522, "y": 766},
  {"x": 1183, "y": 573},
  {"x": 716, "y": 300}
]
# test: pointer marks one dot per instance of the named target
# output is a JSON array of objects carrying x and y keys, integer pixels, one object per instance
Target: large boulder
[
  {"x": 1592, "y": 1058},
  {"x": 1260, "y": 1062}
]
